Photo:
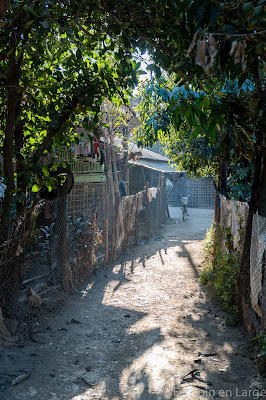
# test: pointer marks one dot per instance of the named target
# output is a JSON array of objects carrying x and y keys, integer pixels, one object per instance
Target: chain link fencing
[
  {"x": 258, "y": 269},
  {"x": 233, "y": 215},
  {"x": 201, "y": 192},
  {"x": 49, "y": 251}
]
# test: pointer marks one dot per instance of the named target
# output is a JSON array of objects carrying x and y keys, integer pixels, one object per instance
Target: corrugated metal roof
[
  {"x": 148, "y": 158},
  {"x": 145, "y": 153},
  {"x": 155, "y": 165}
]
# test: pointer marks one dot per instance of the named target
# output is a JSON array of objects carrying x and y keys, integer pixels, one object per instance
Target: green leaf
[
  {"x": 36, "y": 188},
  {"x": 28, "y": 24},
  {"x": 257, "y": 10},
  {"x": 55, "y": 166},
  {"x": 44, "y": 24},
  {"x": 247, "y": 6},
  {"x": 212, "y": 132}
]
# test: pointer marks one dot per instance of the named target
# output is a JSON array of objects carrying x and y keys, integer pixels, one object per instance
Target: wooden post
[
  {"x": 127, "y": 230},
  {"x": 126, "y": 166},
  {"x": 115, "y": 229},
  {"x": 147, "y": 212},
  {"x": 106, "y": 223},
  {"x": 161, "y": 200},
  {"x": 114, "y": 163},
  {"x": 109, "y": 174},
  {"x": 158, "y": 211},
  {"x": 164, "y": 200},
  {"x": 136, "y": 238},
  {"x": 116, "y": 186}
]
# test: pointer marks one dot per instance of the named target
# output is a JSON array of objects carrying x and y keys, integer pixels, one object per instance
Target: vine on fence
[{"x": 221, "y": 270}]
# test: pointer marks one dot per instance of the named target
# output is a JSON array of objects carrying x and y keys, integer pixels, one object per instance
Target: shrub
[{"x": 221, "y": 269}]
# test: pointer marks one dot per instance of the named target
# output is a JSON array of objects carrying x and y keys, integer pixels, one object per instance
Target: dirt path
[{"x": 141, "y": 328}]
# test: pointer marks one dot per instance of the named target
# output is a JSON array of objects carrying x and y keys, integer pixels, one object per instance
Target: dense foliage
[
  {"x": 211, "y": 110},
  {"x": 58, "y": 62},
  {"x": 198, "y": 128},
  {"x": 221, "y": 270}
]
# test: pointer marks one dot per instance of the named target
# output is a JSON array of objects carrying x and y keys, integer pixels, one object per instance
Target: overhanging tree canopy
[{"x": 59, "y": 61}]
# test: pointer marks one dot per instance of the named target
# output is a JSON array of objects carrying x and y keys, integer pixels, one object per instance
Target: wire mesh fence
[
  {"x": 233, "y": 215},
  {"x": 49, "y": 251},
  {"x": 201, "y": 192},
  {"x": 258, "y": 268}
]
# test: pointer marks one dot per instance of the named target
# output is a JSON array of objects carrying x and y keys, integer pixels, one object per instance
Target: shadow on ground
[{"x": 141, "y": 328}]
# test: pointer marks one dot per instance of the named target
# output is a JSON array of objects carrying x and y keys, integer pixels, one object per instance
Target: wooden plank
[{"x": 89, "y": 178}]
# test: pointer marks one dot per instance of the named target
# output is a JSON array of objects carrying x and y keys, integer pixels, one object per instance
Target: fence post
[
  {"x": 106, "y": 223},
  {"x": 136, "y": 238},
  {"x": 147, "y": 212},
  {"x": 127, "y": 231},
  {"x": 115, "y": 228},
  {"x": 158, "y": 211}
]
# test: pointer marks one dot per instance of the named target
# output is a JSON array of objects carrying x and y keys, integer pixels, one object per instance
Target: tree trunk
[
  {"x": 13, "y": 107},
  {"x": 262, "y": 198},
  {"x": 20, "y": 167},
  {"x": 8, "y": 151},
  {"x": 223, "y": 175}
]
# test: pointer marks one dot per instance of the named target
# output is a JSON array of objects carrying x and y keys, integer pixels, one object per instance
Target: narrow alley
[{"x": 142, "y": 328}]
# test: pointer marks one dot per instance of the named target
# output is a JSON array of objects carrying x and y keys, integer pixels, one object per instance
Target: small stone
[
  {"x": 73, "y": 321},
  {"x": 198, "y": 361},
  {"x": 225, "y": 369},
  {"x": 89, "y": 380}
]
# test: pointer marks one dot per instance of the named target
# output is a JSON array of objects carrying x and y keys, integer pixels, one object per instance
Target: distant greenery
[{"x": 261, "y": 339}]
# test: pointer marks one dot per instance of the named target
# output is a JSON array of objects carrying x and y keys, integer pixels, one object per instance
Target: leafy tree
[
  {"x": 58, "y": 63},
  {"x": 197, "y": 127}
]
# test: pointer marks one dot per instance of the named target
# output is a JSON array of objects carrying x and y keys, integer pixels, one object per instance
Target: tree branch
[
  {"x": 83, "y": 29},
  {"x": 239, "y": 34},
  {"x": 61, "y": 121}
]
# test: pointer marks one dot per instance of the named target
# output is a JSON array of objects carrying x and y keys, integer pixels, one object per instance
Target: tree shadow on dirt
[{"x": 98, "y": 348}]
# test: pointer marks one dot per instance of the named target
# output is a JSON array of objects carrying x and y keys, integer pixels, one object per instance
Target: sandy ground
[{"x": 141, "y": 328}]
